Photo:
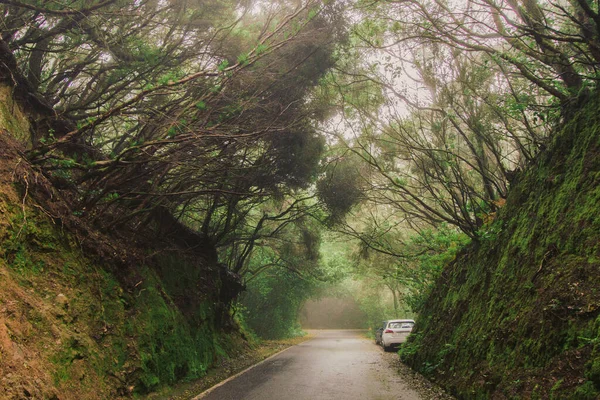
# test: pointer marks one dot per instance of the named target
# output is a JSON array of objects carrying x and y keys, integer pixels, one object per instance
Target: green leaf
[
  {"x": 224, "y": 64},
  {"x": 261, "y": 48},
  {"x": 242, "y": 59}
]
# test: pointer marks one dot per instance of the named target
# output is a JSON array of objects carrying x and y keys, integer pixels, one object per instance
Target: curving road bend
[{"x": 336, "y": 364}]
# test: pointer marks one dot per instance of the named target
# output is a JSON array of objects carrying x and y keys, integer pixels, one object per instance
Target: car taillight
[{"x": 388, "y": 331}]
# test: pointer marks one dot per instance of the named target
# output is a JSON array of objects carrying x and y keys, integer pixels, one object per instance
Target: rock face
[{"x": 517, "y": 314}]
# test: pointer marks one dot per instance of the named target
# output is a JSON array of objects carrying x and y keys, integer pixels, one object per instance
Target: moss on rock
[{"x": 520, "y": 311}]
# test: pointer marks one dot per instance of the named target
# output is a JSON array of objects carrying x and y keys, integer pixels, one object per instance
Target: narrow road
[{"x": 336, "y": 364}]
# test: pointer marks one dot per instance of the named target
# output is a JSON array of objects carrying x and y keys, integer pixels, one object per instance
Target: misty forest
[{"x": 183, "y": 181}]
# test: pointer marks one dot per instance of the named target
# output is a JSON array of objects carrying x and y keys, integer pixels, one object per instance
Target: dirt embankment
[
  {"x": 91, "y": 315},
  {"x": 57, "y": 313}
]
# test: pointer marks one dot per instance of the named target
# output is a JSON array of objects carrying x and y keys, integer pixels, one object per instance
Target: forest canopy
[{"x": 259, "y": 125}]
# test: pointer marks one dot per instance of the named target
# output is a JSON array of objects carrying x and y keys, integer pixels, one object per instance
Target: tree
[
  {"x": 341, "y": 186},
  {"x": 448, "y": 102},
  {"x": 554, "y": 45},
  {"x": 200, "y": 108},
  {"x": 284, "y": 272},
  {"x": 468, "y": 93}
]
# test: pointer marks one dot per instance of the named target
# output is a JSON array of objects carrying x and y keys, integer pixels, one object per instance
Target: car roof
[{"x": 401, "y": 320}]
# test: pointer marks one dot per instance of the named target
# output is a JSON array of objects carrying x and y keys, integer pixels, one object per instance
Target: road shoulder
[
  {"x": 228, "y": 368},
  {"x": 426, "y": 389}
]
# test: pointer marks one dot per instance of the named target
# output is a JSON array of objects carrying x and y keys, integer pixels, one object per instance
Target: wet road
[{"x": 334, "y": 365}]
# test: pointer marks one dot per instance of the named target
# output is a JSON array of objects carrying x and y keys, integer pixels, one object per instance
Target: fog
[{"x": 332, "y": 313}]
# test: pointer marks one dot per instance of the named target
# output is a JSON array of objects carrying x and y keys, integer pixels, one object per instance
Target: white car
[{"x": 395, "y": 332}]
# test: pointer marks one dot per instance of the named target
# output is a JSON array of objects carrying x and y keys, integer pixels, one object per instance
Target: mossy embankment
[
  {"x": 86, "y": 315},
  {"x": 517, "y": 314}
]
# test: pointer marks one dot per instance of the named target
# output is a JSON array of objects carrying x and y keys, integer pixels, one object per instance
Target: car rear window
[{"x": 400, "y": 325}]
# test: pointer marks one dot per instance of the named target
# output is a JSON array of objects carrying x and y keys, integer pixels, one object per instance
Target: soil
[{"x": 39, "y": 316}]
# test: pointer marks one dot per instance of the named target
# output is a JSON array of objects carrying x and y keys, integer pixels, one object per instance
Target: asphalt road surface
[{"x": 336, "y": 364}]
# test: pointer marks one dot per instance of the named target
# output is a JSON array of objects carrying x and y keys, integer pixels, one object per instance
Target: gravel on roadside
[{"x": 427, "y": 389}]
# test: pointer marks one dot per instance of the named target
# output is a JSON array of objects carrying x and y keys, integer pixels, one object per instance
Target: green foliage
[
  {"x": 261, "y": 48},
  {"x": 272, "y": 302},
  {"x": 587, "y": 391},
  {"x": 111, "y": 197},
  {"x": 281, "y": 275},
  {"x": 170, "y": 349},
  {"x": 178, "y": 336},
  {"x": 177, "y": 128},
  {"x": 403, "y": 268},
  {"x": 170, "y": 77},
  {"x": 523, "y": 303},
  {"x": 296, "y": 155},
  {"x": 223, "y": 65},
  {"x": 340, "y": 188},
  {"x": 374, "y": 300},
  {"x": 243, "y": 59},
  {"x": 443, "y": 245},
  {"x": 412, "y": 347}
]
